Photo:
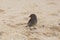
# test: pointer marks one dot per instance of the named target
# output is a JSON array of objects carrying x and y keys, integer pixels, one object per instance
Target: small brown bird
[{"x": 33, "y": 20}]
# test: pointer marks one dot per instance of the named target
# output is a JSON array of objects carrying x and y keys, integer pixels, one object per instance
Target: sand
[{"x": 14, "y": 15}]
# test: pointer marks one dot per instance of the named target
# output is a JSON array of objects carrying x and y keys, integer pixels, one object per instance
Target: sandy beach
[{"x": 14, "y": 16}]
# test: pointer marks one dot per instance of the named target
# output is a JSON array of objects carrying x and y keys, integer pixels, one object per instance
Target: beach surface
[{"x": 14, "y": 16}]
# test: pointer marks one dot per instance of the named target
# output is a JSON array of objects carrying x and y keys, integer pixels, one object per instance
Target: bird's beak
[{"x": 29, "y": 16}]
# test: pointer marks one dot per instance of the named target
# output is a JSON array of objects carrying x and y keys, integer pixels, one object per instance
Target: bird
[{"x": 32, "y": 21}]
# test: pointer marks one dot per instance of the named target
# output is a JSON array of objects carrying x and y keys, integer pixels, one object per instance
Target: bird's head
[{"x": 32, "y": 15}]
